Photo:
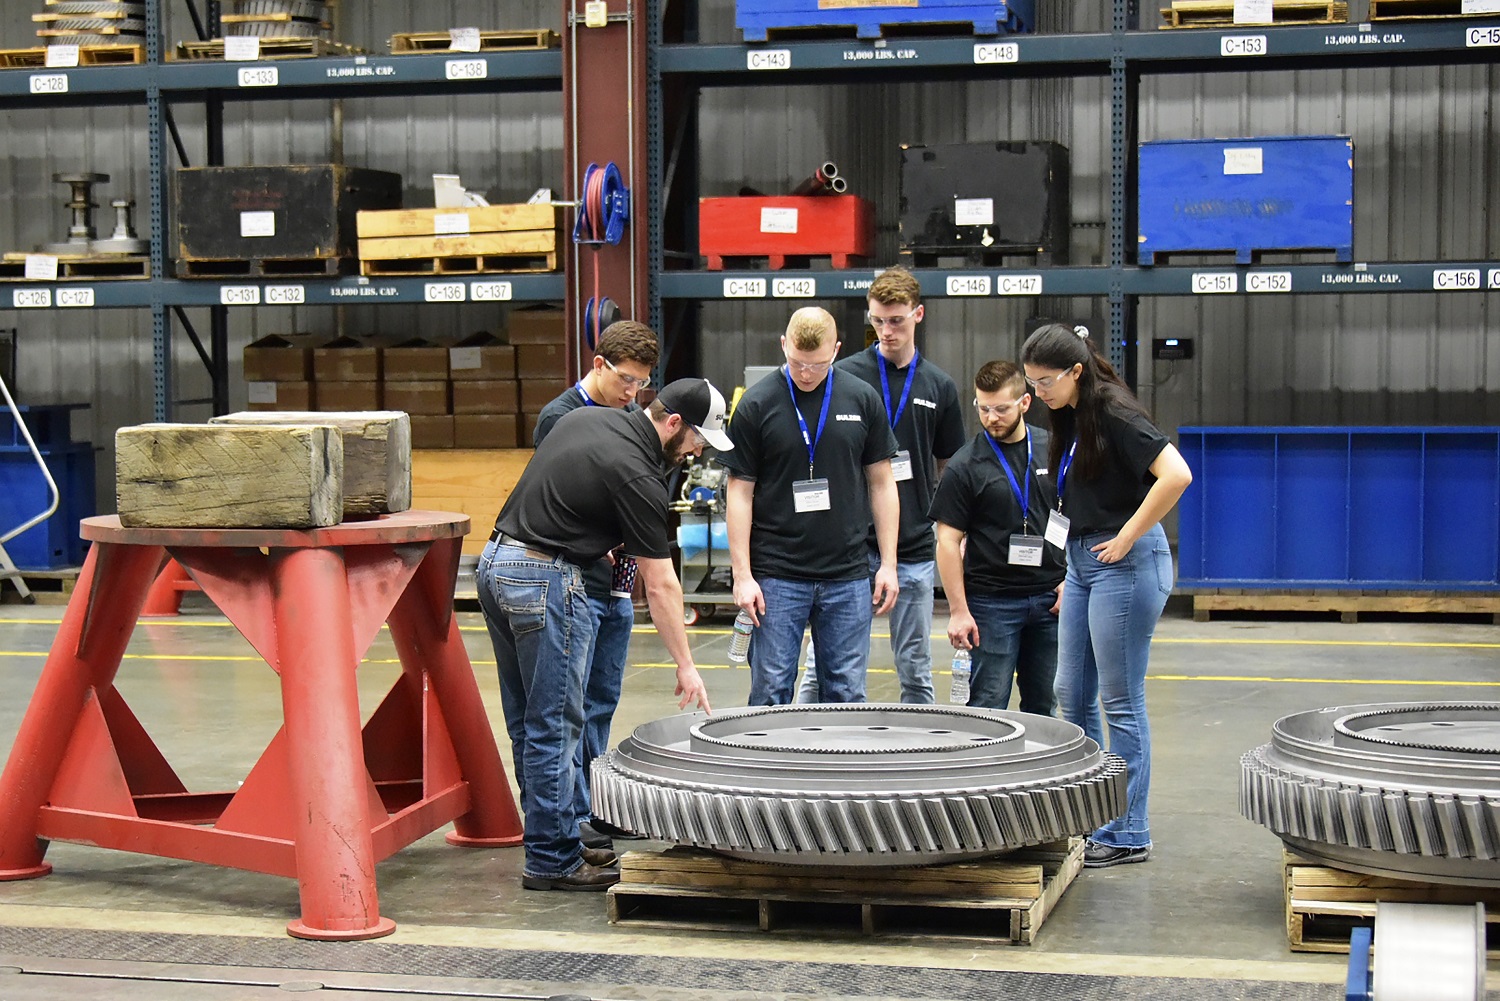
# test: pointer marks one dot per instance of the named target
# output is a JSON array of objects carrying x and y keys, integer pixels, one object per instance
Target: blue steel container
[
  {"x": 1411, "y": 508},
  {"x": 1246, "y": 196},
  {"x": 55, "y": 542},
  {"x": 867, "y": 17}
]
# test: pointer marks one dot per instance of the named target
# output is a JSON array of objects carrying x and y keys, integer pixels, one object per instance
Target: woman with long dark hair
[{"x": 1117, "y": 476}]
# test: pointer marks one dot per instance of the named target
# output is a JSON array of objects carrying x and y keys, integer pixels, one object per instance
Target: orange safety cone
[{"x": 165, "y": 595}]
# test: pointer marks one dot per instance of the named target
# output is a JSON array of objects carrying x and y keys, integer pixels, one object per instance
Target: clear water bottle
[
  {"x": 959, "y": 693},
  {"x": 739, "y": 639}
]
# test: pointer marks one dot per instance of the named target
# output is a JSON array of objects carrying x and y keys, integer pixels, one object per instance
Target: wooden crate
[
  {"x": 1324, "y": 904},
  {"x": 496, "y": 238},
  {"x": 406, "y": 43},
  {"x": 1220, "y": 13},
  {"x": 1002, "y": 899},
  {"x": 474, "y": 482},
  {"x": 1400, "y": 10},
  {"x": 1349, "y": 604},
  {"x": 94, "y": 267},
  {"x": 88, "y": 55}
]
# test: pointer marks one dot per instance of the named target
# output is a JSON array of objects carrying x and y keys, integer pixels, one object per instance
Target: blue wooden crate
[
  {"x": 868, "y": 18},
  {"x": 1412, "y": 508},
  {"x": 1247, "y": 195}
]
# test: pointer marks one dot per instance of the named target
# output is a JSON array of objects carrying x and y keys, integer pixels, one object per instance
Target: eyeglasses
[
  {"x": 1049, "y": 381},
  {"x": 630, "y": 381},
  {"x": 1001, "y": 410},
  {"x": 889, "y": 321},
  {"x": 698, "y": 438},
  {"x": 809, "y": 367}
]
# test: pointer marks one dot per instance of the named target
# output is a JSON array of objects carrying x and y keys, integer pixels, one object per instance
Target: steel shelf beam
[{"x": 350, "y": 76}]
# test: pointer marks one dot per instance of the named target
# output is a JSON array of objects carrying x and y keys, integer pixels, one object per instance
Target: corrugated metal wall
[{"x": 1426, "y": 161}]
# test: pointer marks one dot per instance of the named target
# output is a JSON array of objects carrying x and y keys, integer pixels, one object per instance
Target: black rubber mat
[{"x": 820, "y": 980}]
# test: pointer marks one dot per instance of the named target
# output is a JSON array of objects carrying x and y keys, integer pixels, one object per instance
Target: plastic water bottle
[
  {"x": 959, "y": 693},
  {"x": 739, "y": 640}
]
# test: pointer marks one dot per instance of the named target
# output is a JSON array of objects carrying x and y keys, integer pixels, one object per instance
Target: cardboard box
[
  {"x": 336, "y": 396},
  {"x": 277, "y": 358},
  {"x": 431, "y": 431},
  {"x": 481, "y": 356},
  {"x": 493, "y": 396},
  {"x": 346, "y": 359},
  {"x": 537, "y": 393},
  {"x": 417, "y": 398},
  {"x": 528, "y": 430},
  {"x": 485, "y": 430},
  {"x": 280, "y": 395},
  {"x": 415, "y": 360},
  {"x": 541, "y": 361},
  {"x": 536, "y": 325}
]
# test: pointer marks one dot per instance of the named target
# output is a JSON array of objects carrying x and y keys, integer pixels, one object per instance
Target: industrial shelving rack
[
  {"x": 1123, "y": 55},
  {"x": 677, "y": 68},
  {"x": 159, "y": 84}
]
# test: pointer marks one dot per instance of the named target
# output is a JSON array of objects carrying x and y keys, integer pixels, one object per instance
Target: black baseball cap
[{"x": 701, "y": 405}]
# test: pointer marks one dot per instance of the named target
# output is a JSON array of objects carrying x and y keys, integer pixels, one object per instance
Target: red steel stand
[{"x": 326, "y": 801}]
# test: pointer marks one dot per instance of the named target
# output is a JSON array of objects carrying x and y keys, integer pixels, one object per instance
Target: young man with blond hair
[
  {"x": 809, "y": 473},
  {"x": 921, "y": 405}
]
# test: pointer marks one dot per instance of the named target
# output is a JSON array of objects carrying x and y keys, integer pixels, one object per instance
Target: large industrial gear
[
  {"x": 1400, "y": 789},
  {"x": 859, "y": 784}
]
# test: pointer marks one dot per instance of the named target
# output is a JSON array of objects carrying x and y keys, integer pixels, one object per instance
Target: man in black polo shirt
[
  {"x": 1004, "y": 587},
  {"x": 597, "y": 481},
  {"x": 623, "y": 359},
  {"x": 921, "y": 403},
  {"x": 809, "y": 472}
]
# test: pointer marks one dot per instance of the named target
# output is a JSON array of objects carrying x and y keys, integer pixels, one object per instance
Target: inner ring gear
[
  {"x": 1402, "y": 789},
  {"x": 859, "y": 784}
]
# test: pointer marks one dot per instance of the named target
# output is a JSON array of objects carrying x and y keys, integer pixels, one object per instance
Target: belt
[{"x": 531, "y": 551}]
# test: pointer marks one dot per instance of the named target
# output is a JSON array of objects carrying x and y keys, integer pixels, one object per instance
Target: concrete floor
[{"x": 1207, "y": 906}]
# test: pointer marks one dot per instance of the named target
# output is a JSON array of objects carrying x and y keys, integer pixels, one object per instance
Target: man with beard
[
  {"x": 596, "y": 482},
  {"x": 1004, "y": 585}
]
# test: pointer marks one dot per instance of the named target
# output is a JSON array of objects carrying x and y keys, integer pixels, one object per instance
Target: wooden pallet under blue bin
[{"x": 759, "y": 19}]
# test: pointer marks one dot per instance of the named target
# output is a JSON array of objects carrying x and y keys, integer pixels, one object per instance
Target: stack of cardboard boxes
[{"x": 479, "y": 393}]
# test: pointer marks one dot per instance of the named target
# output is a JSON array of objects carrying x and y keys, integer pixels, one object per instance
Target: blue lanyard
[
  {"x": 885, "y": 384},
  {"x": 1024, "y": 496},
  {"x": 1062, "y": 471},
  {"x": 812, "y": 442},
  {"x": 587, "y": 400}
]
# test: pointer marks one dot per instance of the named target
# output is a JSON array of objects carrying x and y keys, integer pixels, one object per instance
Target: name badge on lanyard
[
  {"x": 1026, "y": 550},
  {"x": 811, "y": 494},
  {"x": 901, "y": 464},
  {"x": 1058, "y": 523}
]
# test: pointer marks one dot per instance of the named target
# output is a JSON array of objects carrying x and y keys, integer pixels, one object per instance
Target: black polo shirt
[
  {"x": 975, "y": 497},
  {"x": 768, "y": 448},
  {"x": 931, "y": 427},
  {"x": 1106, "y": 502},
  {"x": 597, "y": 576},
  {"x": 596, "y": 481}
]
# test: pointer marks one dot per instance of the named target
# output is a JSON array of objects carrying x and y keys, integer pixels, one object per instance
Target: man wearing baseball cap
[{"x": 596, "y": 483}]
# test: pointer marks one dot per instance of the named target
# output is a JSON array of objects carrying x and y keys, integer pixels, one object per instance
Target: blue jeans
[
  {"x": 839, "y": 613},
  {"x": 911, "y": 636},
  {"x": 1109, "y": 612},
  {"x": 1017, "y": 639},
  {"x": 542, "y": 629},
  {"x": 613, "y": 620}
]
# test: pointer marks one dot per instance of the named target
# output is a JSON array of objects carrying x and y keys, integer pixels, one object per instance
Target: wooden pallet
[
  {"x": 1324, "y": 904},
  {"x": 407, "y": 43},
  {"x": 95, "y": 267},
  {"x": 1413, "y": 10},
  {"x": 48, "y": 587},
  {"x": 270, "y": 48},
  {"x": 1349, "y": 604},
  {"x": 265, "y": 267},
  {"x": 1220, "y": 13},
  {"x": 460, "y": 264},
  {"x": 88, "y": 55},
  {"x": 1004, "y": 899}
]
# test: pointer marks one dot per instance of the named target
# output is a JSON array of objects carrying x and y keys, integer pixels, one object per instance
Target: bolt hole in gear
[
  {"x": 859, "y": 784},
  {"x": 1402, "y": 789}
]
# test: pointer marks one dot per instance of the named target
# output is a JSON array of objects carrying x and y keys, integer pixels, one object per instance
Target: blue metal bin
[
  {"x": 1413, "y": 508},
  {"x": 23, "y": 495},
  {"x": 756, "y": 17},
  {"x": 1247, "y": 195}
]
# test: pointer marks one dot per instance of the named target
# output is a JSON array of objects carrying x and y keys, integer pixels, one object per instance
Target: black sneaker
[
  {"x": 585, "y": 877},
  {"x": 592, "y": 838},
  {"x": 1097, "y": 856}
]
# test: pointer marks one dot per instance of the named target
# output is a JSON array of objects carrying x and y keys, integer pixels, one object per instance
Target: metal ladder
[{"x": 8, "y": 569}]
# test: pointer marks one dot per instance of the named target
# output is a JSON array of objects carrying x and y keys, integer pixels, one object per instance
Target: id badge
[
  {"x": 810, "y": 495},
  {"x": 901, "y": 466},
  {"x": 1057, "y": 529},
  {"x": 1026, "y": 550}
]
